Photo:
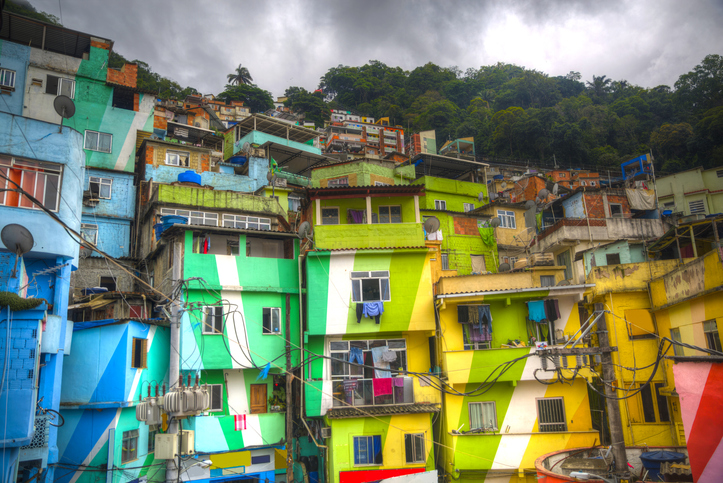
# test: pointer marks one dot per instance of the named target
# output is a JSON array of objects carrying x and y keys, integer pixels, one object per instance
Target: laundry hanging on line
[
  {"x": 552, "y": 309},
  {"x": 381, "y": 367},
  {"x": 536, "y": 311},
  {"x": 382, "y": 386}
]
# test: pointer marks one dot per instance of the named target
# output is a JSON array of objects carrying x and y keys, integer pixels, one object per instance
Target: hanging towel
[
  {"x": 552, "y": 310},
  {"x": 380, "y": 365},
  {"x": 389, "y": 356},
  {"x": 641, "y": 199},
  {"x": 382, "y": 386},
  {"x": 359, "y": 312},
  {"x": 239, "y": 421},
  {"x": 536, "y": 311},
  {"x": 398, "y": 381},
  {"x": 356, "y": 355},
  {"x": 477, "y": 334}
]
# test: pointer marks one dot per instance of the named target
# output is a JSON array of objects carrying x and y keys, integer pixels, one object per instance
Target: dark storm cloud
[{"x": 284, "y": 43}]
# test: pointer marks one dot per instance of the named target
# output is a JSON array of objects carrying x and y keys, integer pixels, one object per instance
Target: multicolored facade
[{"x": 496, "y": 422}]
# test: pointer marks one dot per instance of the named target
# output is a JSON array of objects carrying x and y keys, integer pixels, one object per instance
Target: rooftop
[
  {"x": 275, "y": 127},
  {"x": 353, "y": 412}
]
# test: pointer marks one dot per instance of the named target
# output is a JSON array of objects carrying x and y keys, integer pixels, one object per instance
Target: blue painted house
[{"x": 120, "y": 360}]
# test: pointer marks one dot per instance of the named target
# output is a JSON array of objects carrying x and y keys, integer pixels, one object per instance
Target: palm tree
[
  {"x": 241, "y": 76},
  {"x": 599, "y": 87}
]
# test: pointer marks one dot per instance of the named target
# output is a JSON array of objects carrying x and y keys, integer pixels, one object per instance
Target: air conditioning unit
[
  {"x": 258, "y": 152},
  {"x": 326, "y": 433}
]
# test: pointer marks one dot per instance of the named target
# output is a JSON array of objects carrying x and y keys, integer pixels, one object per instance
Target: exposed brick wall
[
  {"x": 149, "y": 154},
  {"x": 465, "y": 226},
  {"x": 126, "y": 76},
  {"x": 99, "y": 45},
  {"x": 595, "y": 206},
  {"x": 160, "y": 121},
  {"x": 383, "y": 179},
  {"x": 623, "y": 200},
  {"x": 136, "y": 101},
  {"x": 205, "y": 164}
]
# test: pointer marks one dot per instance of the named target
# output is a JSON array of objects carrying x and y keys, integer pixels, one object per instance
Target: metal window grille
[
  {"x": 41, "y": 434},
  {"x": 551, "y": 414},
  {"x": 697, "y": 206},
  {"x": 445, "y": 261}
]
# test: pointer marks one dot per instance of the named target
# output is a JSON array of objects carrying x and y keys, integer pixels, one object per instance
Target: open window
[
  {"x": 269, "y": 248},
  {"x": 60, "y": 86},
  {"x": 178, "y": 158},
  {"x": 272, "y": 320},
  {"x": 370, "y": 286},
  {"x": 138, "y": 355},
  {"x": 100, "y": 188},
  {"x": 210, "y": 244}
]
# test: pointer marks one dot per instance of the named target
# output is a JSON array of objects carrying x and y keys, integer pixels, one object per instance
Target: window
[
  {"x": 478, "y": 264},
  {"x": 178, "y": 158},
  {"x": 272, "y": 320},
  {"x": 7, "y": 78},
  {"x": 616, "y": 210},
  {"x": 390, "y": 214},
  {"x": 109, "y": 283},
  {"x": 98, "y": 141},
  {"x": 60, "y": 86},
  {"x": 474, "y": 338},
  {"x": 367, "y": 450},
  {"x": 123, "y": 98},
  {"x": 719, "y": 173},
  {"x": 294, "y": 203},
  {"x": 697, "y": 206},
  {"x": 649, "y": 406},
  {"x": 592, "y": 183},
  {"x": 445, "y": 261},
  {"x": 39, "y": 180},
  {"x": 258, "y": 399},
  {"x": 129, "y": 449},
  {"x": 151, "y": 441},
  {"x": 269, "y": 248},
  {"x": 249, "y": 222},
  {"x": 612, "y": 258},
  {"x": 216, "y": 392},
  {"x": 547, "y": 280},
  {"x": 675, "y": 336},
  {"x": 440, "y": 205},
  {"x": 138, "y": 356},
  {"x": 343, "y": 181},
  {"x": 370, "y": 286},
  {"x": 208, "y": 244},
  {"x": 380, "y": 183},
  {"x": 507, "y": 219},
  {"x": 414, "y": 448},
  {"x": 562, "y": 175},
  {"x": 100, "y": 188},
  {"x": 261, "y": 459},
  {"x": 330, "y": 216},
  {"x": 89, "y": 232},
  {"x": 551, "y": 414},
  {"x": 339, "y": 352},
  {"x": 483, "y": 416},
  {"x": 213, "y": 320},
  {"x": 563, "y": 260},
  {"x": 468, "y": 207},
  {"x": 712, "y": 338},
  {"x": 583, "y": 183}
]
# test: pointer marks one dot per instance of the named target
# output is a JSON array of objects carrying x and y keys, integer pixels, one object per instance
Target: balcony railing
[
  {"x": 377, "y": 235},
  {"x": 363, "y": 394}
]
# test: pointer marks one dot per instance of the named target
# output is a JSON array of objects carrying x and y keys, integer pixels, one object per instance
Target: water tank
[
  {"x": 190, "y": 176},
  {"x": 653, "y": 459}
]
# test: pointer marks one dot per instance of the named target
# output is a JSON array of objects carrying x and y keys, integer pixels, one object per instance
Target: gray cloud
[{"x": 284, "y": 43}]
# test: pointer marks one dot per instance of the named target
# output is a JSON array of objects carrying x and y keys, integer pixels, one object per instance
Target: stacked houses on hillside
[{"x": 330, "y": 306}]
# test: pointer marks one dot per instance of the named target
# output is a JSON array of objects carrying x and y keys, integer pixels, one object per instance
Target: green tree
[
  {"x": 599, "y": 88},
  {"x": 257, "y": 99},
  {"x": 702, "y": 88},
  {"x": 240, "y": 76}
]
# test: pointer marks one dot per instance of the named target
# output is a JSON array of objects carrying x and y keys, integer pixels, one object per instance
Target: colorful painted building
[
  {"x": 362, "y": 372},
  {"x": 513, "y": 237},
  {"x": 502, "y": 406},
  {"x": 116, "y": 361},
  {"x": 695, "y": 191}
]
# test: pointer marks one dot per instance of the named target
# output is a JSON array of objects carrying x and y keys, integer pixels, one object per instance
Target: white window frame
[
  {"x": 51, "y": 173},
  {"x": 329, "y": 208},
  {"x": 368, "y": 437},
  {"x": 440, "y": 205},
  {"x": 214, "y": 408},
  {"x": 101, "y": 182},
  {"x": 61, "y": 82},
  {"x": 389, "y": 213},
  {"x": 294, "y": 203},
  {"x": 468, "y": 207},
  {"x": 92, "y": 227},
  {"x": 380, "y": 183},
  {"x": 338, "y": 346},
  {"x": 415, "y": 438},
  {"x": 616, "y": 215},
  {"x": 173, "y": 158},
  {"x": 357, "y": 278},
  {"x": 482, "y": 405},
  {"x": 7, "y": 78},
  {"x": 97, "y": 143},
  {"x": 507, "y": 219},
  {"x": 274, "y": 327},
  {"x": 212, "y": 329},
  {"x": 246, "y": 222}
]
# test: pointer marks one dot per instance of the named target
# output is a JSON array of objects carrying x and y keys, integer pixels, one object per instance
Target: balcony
[
  {"x": 363, "y": 395},
  {"x": 262, "y": 429},
  {"x": 378, "y": 235},
  {"x": 569, "y": 230}
]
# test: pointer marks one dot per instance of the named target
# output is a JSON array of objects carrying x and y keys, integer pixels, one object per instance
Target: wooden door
[{"x": 258, "y": 398}]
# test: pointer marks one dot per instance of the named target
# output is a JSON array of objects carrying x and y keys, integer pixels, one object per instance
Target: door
[{"x": 258, "y": 398}]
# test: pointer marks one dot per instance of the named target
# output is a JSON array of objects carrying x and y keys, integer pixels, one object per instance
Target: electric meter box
[
  {"x": 166, "y": 446},
  {"x": 187, "y": 444}
]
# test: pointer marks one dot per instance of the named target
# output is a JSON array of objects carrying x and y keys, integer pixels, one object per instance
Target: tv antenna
[{"x": 65, "y": 107}]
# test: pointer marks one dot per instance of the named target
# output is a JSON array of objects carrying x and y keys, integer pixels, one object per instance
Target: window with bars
[
  {"x": 551, "y": 414},
  {"x": 339, "y": 352},
  {"x": 616, "y": 210},
  {"x": 129, "y": 448},
  {"x": 390, "y": 214},
  {"x": 98, "y": 141},
  {"x": 213, "y": 319},
  {"x": 39, "y": 180},
  {"x": 414, "y": 448},
  {"x": 216, "y": 392},
  {"x": 483, "y": 416},
  {"x": 138, "y": 356},
  {"x": 697, "y": 206},
  {"x": 445, "y": 261},
  {"x": 368, "y": 450},
  {"x": 100, "y": 188},
  {"x": 547, "y": 280},
  {"x": 370, "y": 286},
  {"x": 330, "y": 216}
]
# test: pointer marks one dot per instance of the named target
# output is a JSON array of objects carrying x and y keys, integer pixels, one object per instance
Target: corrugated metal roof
[
  {"x": 680, "y": 469},
  {"x": 353, "y": 412},
  {"x": 560, "y": 288},
  {"x": 337, "y": 191}
]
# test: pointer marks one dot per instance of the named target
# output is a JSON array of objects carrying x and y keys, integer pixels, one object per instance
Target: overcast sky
[{"x": 286, "y": 42}]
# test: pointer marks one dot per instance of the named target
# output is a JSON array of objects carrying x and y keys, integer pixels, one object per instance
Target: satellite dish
[
  {"x": 65, "y": 107},
  {"x": 481, "y": 196},
  {"x": 495, "y": 222},
  {"x": 493, "y": 196},
  {"x": 197, "y": 124},
  {"x": 529, "y": 204},
  {"x": 18, "y": 240},
  {"x": 555, "y": 189},
  {"x": 304, "y": 230},
  {"x": 246, "y": 147},
  {"x": 543, "y": 194},
  {"x": 504, "y": 267},
  {"x": 503, "y": 185},
  {"x": 431, "y": 224}
]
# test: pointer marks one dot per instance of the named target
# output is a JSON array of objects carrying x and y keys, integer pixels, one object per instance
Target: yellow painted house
[{"x": 513, "y": 238}]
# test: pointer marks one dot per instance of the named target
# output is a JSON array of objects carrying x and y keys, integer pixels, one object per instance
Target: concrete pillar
[
  {"x": 318, "y": 211},
  {"x": 369, "y": 210},
  {"x": 417, "y": 218}
]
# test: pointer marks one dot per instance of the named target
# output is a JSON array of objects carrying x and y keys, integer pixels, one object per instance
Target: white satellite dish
[{"x": 555, "y": 189}]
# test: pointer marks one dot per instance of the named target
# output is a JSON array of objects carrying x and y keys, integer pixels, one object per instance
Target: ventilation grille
[{"x": 40, "y": 438}]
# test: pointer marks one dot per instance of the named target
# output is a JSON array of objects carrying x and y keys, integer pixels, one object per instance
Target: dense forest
[{"x": 511, "y": 111}]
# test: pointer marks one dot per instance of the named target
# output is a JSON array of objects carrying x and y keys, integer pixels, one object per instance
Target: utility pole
[
  {"x": 174, "y": 371},
  {"x": 289, "y": 407},
  {"x": 613, "y": 405}
]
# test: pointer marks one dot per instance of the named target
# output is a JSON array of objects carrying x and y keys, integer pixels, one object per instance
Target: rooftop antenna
[
  {"x": 65, "y": 107},
  {"x": 18, "y": 240}
]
